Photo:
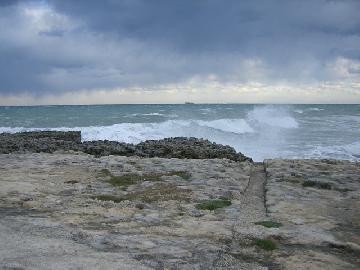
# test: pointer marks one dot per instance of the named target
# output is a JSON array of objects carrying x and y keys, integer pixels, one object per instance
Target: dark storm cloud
[
  {"x": 215, "y": 24},
  {"x": 103, "y": 44},
  {"x": 8, "y": 2}
]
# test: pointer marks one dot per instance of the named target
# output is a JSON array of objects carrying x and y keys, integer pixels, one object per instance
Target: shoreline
[
  {"x": 177, "y": 147},
  {"x": 72, "y": 209}
]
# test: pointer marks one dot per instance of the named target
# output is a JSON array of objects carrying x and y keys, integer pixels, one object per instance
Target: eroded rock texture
[
  {"x": 76, "y": 211},
  {"x": 318, "y": 203},
  {"x": 178, "y": 147}
]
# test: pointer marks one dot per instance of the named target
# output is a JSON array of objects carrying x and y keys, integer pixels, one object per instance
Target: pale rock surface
[
  {"x": 318, "y": 202},
  {"x": 52, "y": 218}
]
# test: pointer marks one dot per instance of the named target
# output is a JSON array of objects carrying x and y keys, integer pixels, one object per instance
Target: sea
[{"x": 258, "y": 131}]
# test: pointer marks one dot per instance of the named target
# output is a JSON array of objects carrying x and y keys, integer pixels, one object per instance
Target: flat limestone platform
[
  {"x": 74, "y": 211},
  {"x": 318, "y": 201}
]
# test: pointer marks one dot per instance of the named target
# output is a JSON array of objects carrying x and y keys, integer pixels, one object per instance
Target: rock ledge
[{"x": 178, "y": 147}]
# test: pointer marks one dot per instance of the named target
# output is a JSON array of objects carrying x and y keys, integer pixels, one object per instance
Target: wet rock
[
  {"x": 191, "y": 148},
  {"x": 39, "y": 141},
  {"x": 106, "y": 148},
  {"x": 178, "y": 147}
]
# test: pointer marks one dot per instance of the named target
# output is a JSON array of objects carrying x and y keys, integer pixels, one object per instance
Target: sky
[{"x": 172, "y": 51}]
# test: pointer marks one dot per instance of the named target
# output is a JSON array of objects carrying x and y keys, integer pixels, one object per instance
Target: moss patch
[
  {"x": 308, "y": 183},
  {"x": 344, "y": 189},
  {"x": 269, "y": 224},
  {"x": 183, "y": 174},
  {"x": 131, "y": 179},
  {"x": 139, "y": 206},
  {"x": 265, "y": 244},
  {"x": 320, "y": 185},
  {"x": 214, "y": 204},
  {"x": 104, "y": 173},
  {"x": 71, "y": 182},
  {"x": 160, "y": 192},
  {"x": 157, "y": 192},
  {"x": 294, "y": 180},
  {"x": 109, "y": 198}
]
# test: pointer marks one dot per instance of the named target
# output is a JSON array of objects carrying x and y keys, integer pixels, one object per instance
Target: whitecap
[
  {"x": 238, "y": 126},
  {"x": 346, "y": 151},
  {"x": 152, "y": 114},
  {"x": 266, "y": 116},
  {"x": 315, "y": 109}
]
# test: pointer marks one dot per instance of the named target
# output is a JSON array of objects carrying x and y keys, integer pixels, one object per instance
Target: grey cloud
[
  {"x": 54, "y": 33},
  {"x": 105, "y": 44},
  {"x": 215, "y": 24},
  {"x": 8, "y": 2}
]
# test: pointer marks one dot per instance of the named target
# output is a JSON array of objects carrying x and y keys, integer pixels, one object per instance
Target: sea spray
[
  {"x": 272, "y": 116},
  {"x": 259, "y": 131}
]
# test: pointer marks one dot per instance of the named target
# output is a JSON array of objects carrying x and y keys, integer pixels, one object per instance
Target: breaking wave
[
  {"x": 238, "y": 126},
  {"x": 250, "y": 134},
  {"x": 137, "y": 132},
  {"x": 272, "y": 116},
  {"x": 263, "y": 132},
  {"x": 255, "y": 121}
]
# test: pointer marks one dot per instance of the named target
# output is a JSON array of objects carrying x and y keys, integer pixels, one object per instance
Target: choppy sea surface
[{"x": 258, "y": 131}]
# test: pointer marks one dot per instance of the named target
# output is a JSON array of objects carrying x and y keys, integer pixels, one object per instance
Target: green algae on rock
[
  {"x": 265, "y": 244},
  {"x": 213, "y": 204},
  {"x": 269, "y": 224}
]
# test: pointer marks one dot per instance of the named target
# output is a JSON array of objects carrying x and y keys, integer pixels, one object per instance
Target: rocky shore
[
  {"x": 176, "y": 204},
  {"x": 51, "y": 141}
]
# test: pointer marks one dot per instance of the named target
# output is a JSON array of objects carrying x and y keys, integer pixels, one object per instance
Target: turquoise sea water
[{"x": 259, "y": 131}]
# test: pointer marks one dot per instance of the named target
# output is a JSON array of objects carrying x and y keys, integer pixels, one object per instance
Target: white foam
[
  {"x": 238, "y": 126},
  {"x": 315, "y": 109},
  {"x": 147, "y": 114},
  {"x": 15, "y": 129},
  {"x": 272, "y": 116},
  {"x": 346, "y": 151},
  {"x": 153, "y": 114},
  {"x": 353, "y": 148},
  {"x": 137, "y": 132},
  {"x": 265, "y": 132}
]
